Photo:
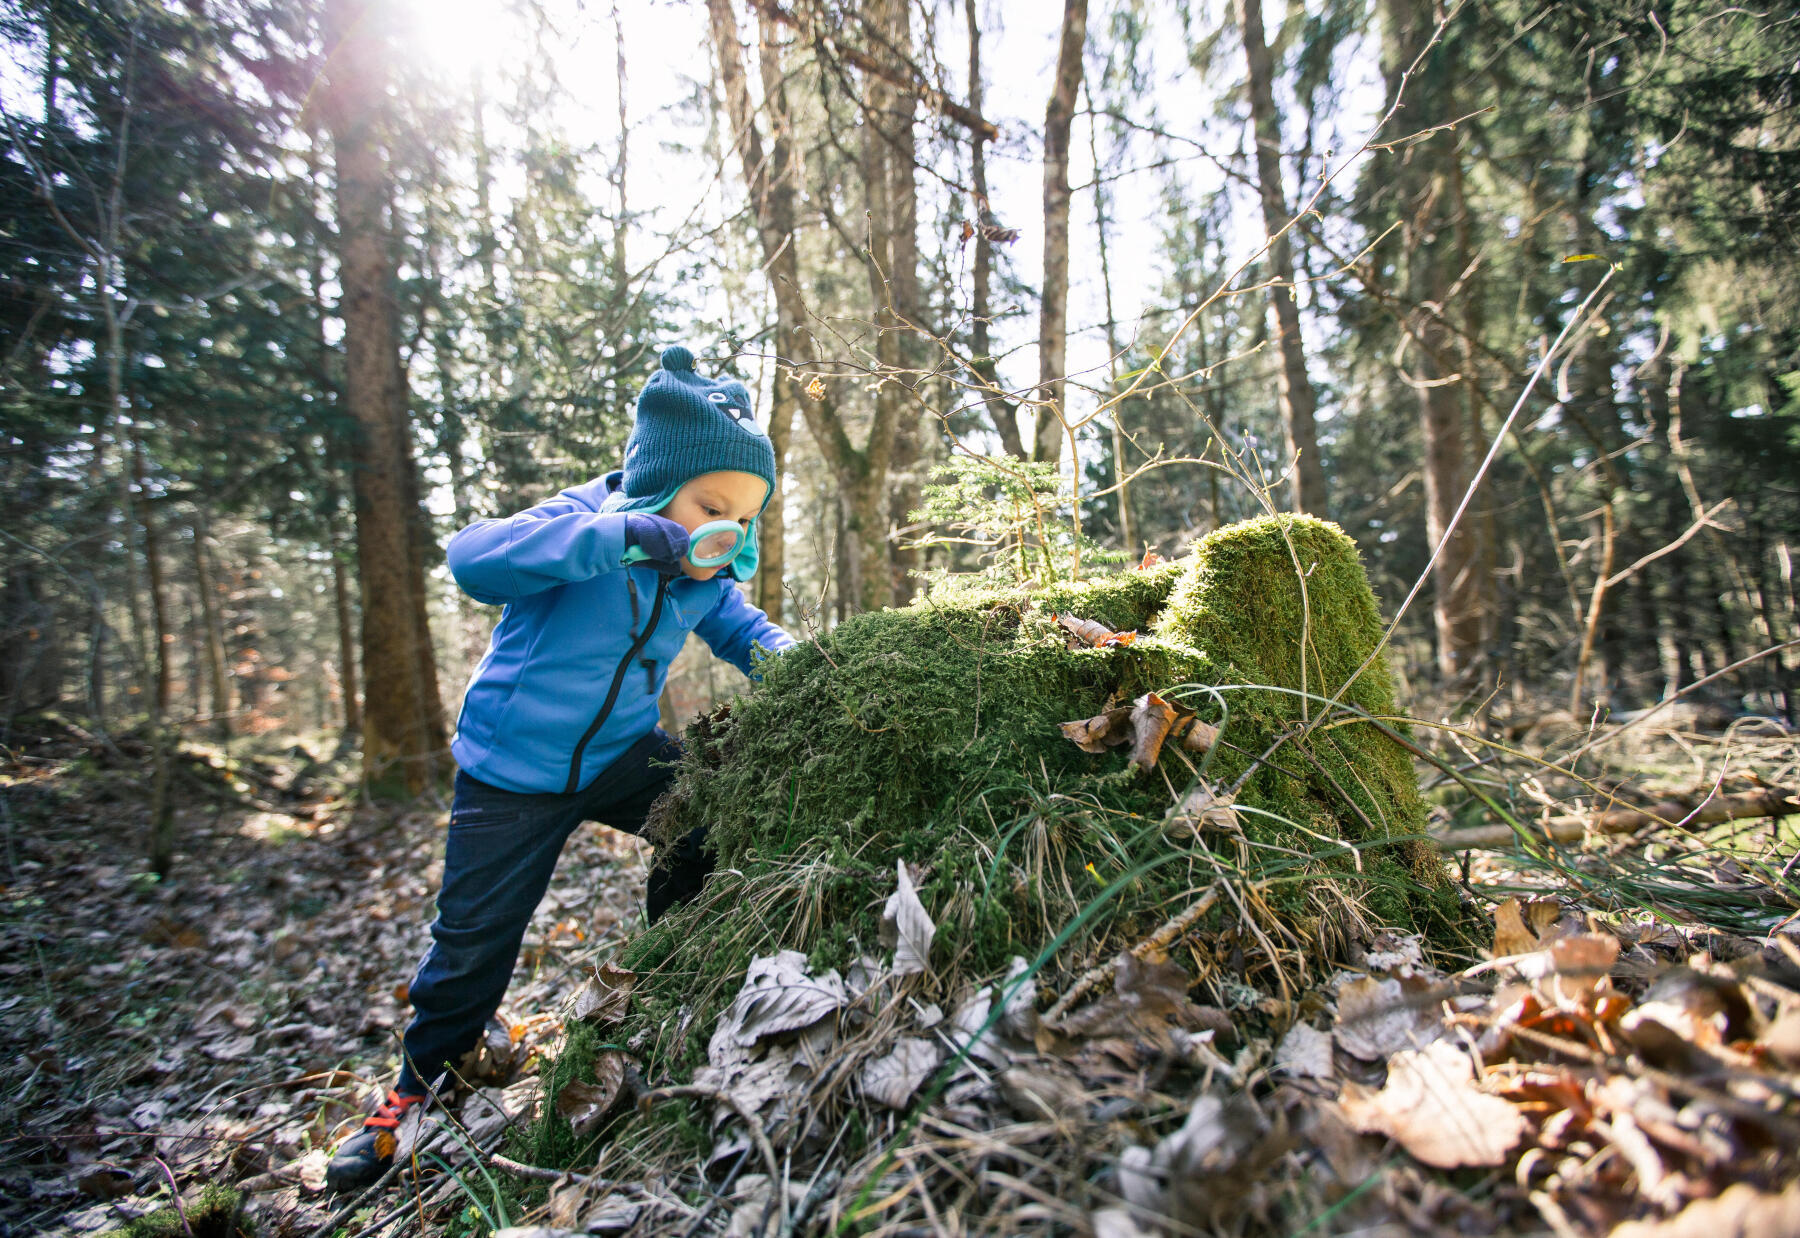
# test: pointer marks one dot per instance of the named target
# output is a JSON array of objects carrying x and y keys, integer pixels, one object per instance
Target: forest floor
[{"x": 229, "y": 1024}]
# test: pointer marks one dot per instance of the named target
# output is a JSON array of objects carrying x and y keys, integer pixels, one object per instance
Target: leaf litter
[{"x": 1606, "y": 1075}]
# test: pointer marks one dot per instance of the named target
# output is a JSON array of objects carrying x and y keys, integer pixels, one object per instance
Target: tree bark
[
  {"x": 1114, "y": 351},
  {"x": 1294, "y": 389},
  {"x": 1420, "y": 183},
  {"x": 1003, "y": 413},
  {"x": 212, "y": 638},
  {"x": 396, "y": 729},
  {"x": 157, "y": 578},
  {"x": 1053, "y": 314},
  {"x": 769, "y": 172}
]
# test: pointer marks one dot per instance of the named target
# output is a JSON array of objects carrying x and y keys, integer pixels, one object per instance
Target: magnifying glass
[{"x": 713, "y": 544}]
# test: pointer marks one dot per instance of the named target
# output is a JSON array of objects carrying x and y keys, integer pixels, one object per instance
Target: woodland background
[{"x": 286, "y": 298}]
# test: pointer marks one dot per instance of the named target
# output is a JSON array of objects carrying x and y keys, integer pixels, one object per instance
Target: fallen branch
[
  {"x": 538, "y": 1173},
  {"x": 1680, "y": 811},
  {"x": 1157, "y": 943}
]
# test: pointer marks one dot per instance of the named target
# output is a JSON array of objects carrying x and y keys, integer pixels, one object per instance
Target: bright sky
[{"x": 667, "y": 53}]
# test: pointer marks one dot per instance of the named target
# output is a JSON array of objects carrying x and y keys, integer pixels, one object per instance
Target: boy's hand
[{"x": 661, "y": 540}]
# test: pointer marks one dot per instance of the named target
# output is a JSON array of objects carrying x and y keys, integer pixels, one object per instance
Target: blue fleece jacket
[{"x": 576, "y": 664}]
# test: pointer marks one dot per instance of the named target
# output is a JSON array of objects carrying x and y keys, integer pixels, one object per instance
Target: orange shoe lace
[{"x": 392, "y": 1110}]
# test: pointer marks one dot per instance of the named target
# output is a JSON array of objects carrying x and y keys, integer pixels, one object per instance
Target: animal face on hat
[{"x": 741, "y": 414}]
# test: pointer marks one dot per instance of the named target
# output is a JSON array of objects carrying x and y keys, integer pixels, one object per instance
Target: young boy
[{"x": 558, "y": 725}]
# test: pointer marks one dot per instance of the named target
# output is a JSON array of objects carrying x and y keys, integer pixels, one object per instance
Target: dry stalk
[{"x": 1157, "y": 943}]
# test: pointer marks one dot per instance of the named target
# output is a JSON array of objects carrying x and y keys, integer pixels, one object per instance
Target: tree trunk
[
  {"x": 397, "y": 727},
  {"x": 340, "y": 596},
  {"x": 790, "y": 317},
  {"x": 156, "y": 576},
  {"x": 1293, "y": 387},
  {"x": 1114, "y": 351},
  {"x": 212, "y": 638},
  {"x": 769, "y": 176},
  {"x": 1002, "y": 412},
  {"x": 1427, "y": 243},
  {"x": 1053, "y": 315}
]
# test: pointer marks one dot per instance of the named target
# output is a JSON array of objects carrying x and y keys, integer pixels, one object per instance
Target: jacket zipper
[{"x": 612, "y": 693}]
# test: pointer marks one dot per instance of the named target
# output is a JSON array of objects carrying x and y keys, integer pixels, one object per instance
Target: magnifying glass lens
[{"x": 714, "y": 547}]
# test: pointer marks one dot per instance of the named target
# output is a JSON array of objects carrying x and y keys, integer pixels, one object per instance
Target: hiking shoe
[{"x": 362, "y": 1159}]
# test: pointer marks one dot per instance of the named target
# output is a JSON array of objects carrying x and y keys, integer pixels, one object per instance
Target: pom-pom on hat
[{"x": 688, "y": 424}]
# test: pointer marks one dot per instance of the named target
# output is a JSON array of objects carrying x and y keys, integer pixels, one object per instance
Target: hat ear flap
[{"x": 743, "y": 567}]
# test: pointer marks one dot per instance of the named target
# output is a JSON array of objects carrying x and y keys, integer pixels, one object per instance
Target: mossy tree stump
[{"x": 930, "y": 733}]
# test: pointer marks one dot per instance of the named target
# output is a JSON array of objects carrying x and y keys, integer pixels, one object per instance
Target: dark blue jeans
[{"x": 498, "y": 858}]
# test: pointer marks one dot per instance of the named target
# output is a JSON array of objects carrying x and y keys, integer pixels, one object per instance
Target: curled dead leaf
[
  {"x": 1570, "y": 970},
  {"x": 1379, "y": 1017},
  {"x": 1102, "y": 731},
  {"x": 1089, "y": 632},
  {"x": 893, "y": 1078},
  {"x": 1151, "y": 718},
  {"x": 1199, "y": 736},
  {"x": 582, "y": 1104},
  {"x": 815, "y": 390},
  {"x": 1305, "y": 1053},
  {"x": 1206, "y": 808},
  {"x": 1741, "y": 1211},
  {"x": 906, "y": 927},
  {"x": 1433, "y": 1109},
  {"x": 604, "y": 997},
  {"x": 779, "y": 996}
]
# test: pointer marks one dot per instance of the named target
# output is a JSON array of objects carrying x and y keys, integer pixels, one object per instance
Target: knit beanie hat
[{"x": 687, "y": 425}]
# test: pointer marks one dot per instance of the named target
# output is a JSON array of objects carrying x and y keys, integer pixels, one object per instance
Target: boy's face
[{"x": 715, "y": 496}]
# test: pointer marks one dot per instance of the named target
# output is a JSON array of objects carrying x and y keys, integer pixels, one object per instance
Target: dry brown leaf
[
  {"x": 1090, "y": 632},
  {"x": 1433, "y": 1109},
  {"x": 105, "y": 1182},
  {"x": 1380, "y": 1017},
  {"x": 1200, "y": 736},
  {"x": 604, "y": 997},
  {"x": 1696, "y": 1007},
  {"x": 1206, "y": 808},
  {"x": 779, "y": 996},
  {"x": 1202, "y": 1174},
  {"x": 815, "y": 390},
  {"x": 1569, "y": 971},
  {"x": 906, "y": 927},
  {"x": 1148, "y": 1000},
  {"x": 1305, "y": 1053},
  {"x": 582, "y": 1104},
  {"x": 1510, "y": 934},
  {"x": 893, "y": 1079},
  {"x": 1781, "y": 1039},
  {"x": 1038, "y": 1092},
  {"x": 1741, "y": 1212},
  {"x": 1521, "y": 927},
  {"x": 1102, "y": 731},
  {"x": 1151, "y": 718}
]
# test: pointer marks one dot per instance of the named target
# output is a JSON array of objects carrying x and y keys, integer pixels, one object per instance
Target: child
[{"x": 558, "y": 725}]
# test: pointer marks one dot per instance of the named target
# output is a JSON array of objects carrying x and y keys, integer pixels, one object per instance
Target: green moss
[
  {"x": 930, "y": 734},
  {"x": 216, "y": 1215}
]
